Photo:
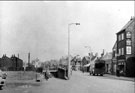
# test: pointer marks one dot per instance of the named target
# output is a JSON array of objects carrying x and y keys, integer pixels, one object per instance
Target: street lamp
[{"x": 69, "y": 46}]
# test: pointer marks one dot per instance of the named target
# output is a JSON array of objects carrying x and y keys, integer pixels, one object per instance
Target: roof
[
  {"x": 107, "y": 56},
  {"x": 128, "y": 24},
  {"x": 93, "y": 57},
  {"x": 115, "y": 45},
  {"x": 87, "y": 58}
]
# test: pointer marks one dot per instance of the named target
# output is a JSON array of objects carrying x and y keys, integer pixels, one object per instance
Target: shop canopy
[
  {"x": 87, "y": 65},
  {"x": 92, "y": 62}
]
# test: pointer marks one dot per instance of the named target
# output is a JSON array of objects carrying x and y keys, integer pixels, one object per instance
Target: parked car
[
  {"x": 3, "y": 76},
  {"x": 2, "y": 82}
]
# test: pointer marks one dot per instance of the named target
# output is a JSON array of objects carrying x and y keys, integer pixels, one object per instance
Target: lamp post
[{"x": 69, "y": 47}]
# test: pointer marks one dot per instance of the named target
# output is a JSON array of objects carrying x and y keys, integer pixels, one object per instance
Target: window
[
  {"x": 119, "y": 51},
  {"x": 128, "y": 35},
  {"x": 122, "y": 36},
  {"x": 119, "y": 37},
  {"x": 128, "y": 50},
  {"x": 128, "y": 42},
  {"x": 122, "y": 51}
]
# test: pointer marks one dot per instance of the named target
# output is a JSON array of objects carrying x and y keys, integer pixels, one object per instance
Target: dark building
[
  {"x": 126, "y": 49},
  {"x": 17, "y": 63},
  {"x": 12, "y": 64},
  {"x": 114, "y": 58},
  {"x": 5, "y": 62}
]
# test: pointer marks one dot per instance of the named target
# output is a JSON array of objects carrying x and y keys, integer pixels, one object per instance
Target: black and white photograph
[{"x": 67, "y": 46}]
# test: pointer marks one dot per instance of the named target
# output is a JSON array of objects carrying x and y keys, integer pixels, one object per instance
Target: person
[
  {"x": 118, "y": 72},
  {"x": 46, "y": 75}
]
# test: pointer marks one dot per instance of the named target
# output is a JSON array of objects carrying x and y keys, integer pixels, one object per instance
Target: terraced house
[{"x": 126, "y": 49}]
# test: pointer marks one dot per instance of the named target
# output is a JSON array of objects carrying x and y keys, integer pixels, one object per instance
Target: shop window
[{"x": 128, "y": 50}]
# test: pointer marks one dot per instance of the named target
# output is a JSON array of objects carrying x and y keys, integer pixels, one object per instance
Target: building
[
  {"x": 126, "y": 49},
  {"x": 114, "y": 59},
  {"x": 76, "y": 62},
  {"x": 5, "y": 62},
  {"x": 17, "y": 63},
  {"x": 108, "y": 61},
  {"x": 85, "y": 61},
  {"x": 14, "y": 63}
]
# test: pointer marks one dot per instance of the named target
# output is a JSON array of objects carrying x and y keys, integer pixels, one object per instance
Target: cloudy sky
[{"x": 41, "y": 27}]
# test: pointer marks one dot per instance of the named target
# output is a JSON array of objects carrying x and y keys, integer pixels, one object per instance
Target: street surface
[{"x": 78, "y": 83}]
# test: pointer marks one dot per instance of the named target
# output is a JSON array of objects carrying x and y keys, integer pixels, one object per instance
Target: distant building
[
  {"x": 76, "y": 63},
  {"x": 5, "y": 62},
  {"x": 85, "y": 61},
  {"x": 126, "y": 49},
  {"x": 114, "y": 58},
  {"x": 17, "y": 63},
  {"x": 108, "y": 61},
  {"x": 13, "y": 63}
]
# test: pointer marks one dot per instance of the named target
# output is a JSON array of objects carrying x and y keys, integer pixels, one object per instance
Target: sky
[{"x": 41, "y": 27}]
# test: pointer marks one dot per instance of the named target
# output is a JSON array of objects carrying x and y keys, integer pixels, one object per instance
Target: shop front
[{"x": 121, "y": 67}]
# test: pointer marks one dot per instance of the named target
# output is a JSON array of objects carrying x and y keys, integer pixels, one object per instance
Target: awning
[{"x": 87, "y": 65}]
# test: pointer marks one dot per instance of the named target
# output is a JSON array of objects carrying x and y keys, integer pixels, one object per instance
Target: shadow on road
[{"x": 112, "y": 77}]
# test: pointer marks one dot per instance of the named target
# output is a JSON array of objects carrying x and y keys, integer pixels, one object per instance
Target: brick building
[
  {"x": 126, "y": 49},
  {"x": 114, "y": 58},
  {"x": 17, "y": 63},
  {"x": 14, "y": 63},
  {"x": 5, "y": 62}
]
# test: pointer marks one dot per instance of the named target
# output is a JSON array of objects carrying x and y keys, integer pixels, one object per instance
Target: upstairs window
[
  {"x": 122, "y": 36},
  {"x": 122, "y": 51},
  {"x": 119, "y": 51},
  {"x": 128, "y": 50},
  {"x": 128, "y": 35},
  {"x": 119, "y": 37},
  {"x": 128, "y": 42}
]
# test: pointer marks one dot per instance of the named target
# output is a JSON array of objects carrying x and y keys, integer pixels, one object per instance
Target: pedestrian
[
  {"x": 46, "y": 75},
  {"x": 83, "y": 69},
  {"x": 118, "y": 72}
]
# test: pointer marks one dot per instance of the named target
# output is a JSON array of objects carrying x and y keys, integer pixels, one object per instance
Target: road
[{"x": 79, "y": 83}]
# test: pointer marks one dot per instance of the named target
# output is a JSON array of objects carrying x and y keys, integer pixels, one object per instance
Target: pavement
[{"x": 120, "y": 77}]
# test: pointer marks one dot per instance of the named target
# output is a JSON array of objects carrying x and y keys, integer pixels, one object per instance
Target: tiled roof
[
  {"x": 129, "y": 22},
  {"x": 107, "y": 56},
  {"x": 115, "y": 45},
  {"x": 87, "y": 58},
  {"x": 93, "y": 57}
]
